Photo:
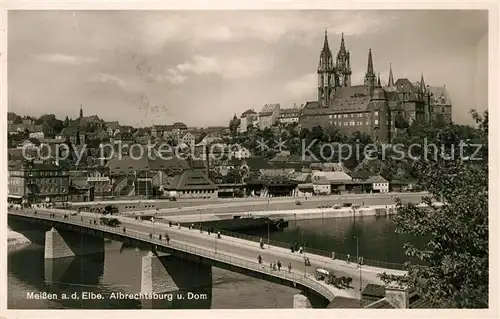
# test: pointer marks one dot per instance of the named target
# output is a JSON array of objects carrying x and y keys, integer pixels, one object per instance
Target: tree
[
  {"x": 18, "y": 120},
  {"x": 50, "y": 124},
  {"x": 400, "y": 122},
  {"x": 452, "y": 270}
]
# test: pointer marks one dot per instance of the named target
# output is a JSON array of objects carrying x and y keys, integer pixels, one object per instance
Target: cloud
[
  {"x": 172, "y": 76},
  {"x": 198, "y": 29},
  {"x": 229, "y": 68},
  {"x": 111, "y": 79},
  {"x": 63, "y": 59},
  {"x": 304, "y": 86},
  {"x": 200, "y": 65}
]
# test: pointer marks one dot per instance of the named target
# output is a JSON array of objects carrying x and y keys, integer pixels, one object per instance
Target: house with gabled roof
[
  {"x": 191, "y": 184},
  {"x": 379, "y": 184}
]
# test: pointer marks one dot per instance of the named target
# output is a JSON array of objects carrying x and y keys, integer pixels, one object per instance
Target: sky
[{"x": 158, "y": 67}]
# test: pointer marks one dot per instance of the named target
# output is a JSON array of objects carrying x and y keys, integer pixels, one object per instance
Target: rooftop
[
  {"x": 376, "y": 179},
  {"x": 440, "y": 95},
  {"x": 191, "y": 180}
]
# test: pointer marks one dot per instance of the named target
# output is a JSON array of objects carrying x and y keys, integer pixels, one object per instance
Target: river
[{"x": 121, "y": 270}]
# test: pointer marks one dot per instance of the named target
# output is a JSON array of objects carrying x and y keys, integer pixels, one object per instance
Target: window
[
  {"x": 376, "y": 122},
  {"x": 330, "y": 116},
  {"x": 367, "y": 122},
  {"x": 376, "y": 113},
  {"x": 345, "y": 116}
]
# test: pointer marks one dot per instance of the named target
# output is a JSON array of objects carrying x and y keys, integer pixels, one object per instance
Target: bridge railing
[
  {"x": 299, "y": 278},
  {"x": 314, "y": 251}
]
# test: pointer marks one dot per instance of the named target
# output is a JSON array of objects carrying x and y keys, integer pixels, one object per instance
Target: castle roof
[
  {"x": 269, "y": 108},
  {"x": 346, "y": 99},
  {"x": 248, "y": 112},
  {"x": 440, "y": 95}
]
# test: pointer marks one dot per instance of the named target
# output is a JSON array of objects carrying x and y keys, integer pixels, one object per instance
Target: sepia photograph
[{"x": 247, "y": 159}]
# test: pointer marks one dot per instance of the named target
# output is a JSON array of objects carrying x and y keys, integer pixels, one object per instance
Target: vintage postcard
[{"x": 293, "y": 158}]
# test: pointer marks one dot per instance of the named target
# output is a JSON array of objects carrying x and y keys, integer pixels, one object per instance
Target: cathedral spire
[
  {"x": 369, "y": 70},
  {"x": 422, "y": 83},
  {"x": 81, "y": 111},
  {"x": 378, "y": 81},
  {"x": 370, "y": 77},
  {"x": 342, "y": 50},
  {"x": 325, "y": 43},
  {"x": 391, "y": 77}
]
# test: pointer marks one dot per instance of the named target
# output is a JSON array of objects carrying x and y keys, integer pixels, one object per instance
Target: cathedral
[{"x": 371, "y": 108}]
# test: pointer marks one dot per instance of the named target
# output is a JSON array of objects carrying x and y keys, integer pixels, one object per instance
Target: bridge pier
[
  {"x": 69, "y": 244},
  {"x": 181, "y": 283},
  {"x": 300, "y": 302}
]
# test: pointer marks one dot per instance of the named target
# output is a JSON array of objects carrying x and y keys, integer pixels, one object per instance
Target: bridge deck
[{"x": 234, "y": 251}]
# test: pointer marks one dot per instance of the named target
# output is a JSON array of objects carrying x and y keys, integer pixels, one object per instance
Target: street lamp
[
  {"x": 215, "y": 241},
  {"x": 360, "y": 273},
  {"x": 305, "y": 260},
  {"x": 199, "y": 211},
  {"x": 268, "y": 233}
]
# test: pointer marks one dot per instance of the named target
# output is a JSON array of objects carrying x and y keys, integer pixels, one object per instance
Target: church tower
[
  {"x": 370, "y": 78},
  {"x": 343, "y": 65},
  {"x": 326, "y": 74},
  {"x": 81, "y": 111},
  {"x": 390, "y": 84}
]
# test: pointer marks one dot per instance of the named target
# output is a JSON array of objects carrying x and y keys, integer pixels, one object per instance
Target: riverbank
[
  {"x": 291, "y": 215},
  {"x": 241, "y": 205},
  {"x": 15, "y": 239}
]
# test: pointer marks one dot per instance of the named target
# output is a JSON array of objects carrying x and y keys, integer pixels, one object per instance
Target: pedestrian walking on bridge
[
  {"x": 289, "y": 267},
  {"x": 259, "y": 259},
  {"x": 279, "y": 265},
  {"x": 167, "y": 237}
]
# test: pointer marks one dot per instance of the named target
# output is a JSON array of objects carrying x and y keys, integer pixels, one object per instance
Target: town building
[
  {"x": 440, "y": 104},
  {"x": 249, "y": 118},
  {"x": 369, "y": 108},
  {"x": 268, "y": 115},
  {"x": 187, "y": 139},
  {"x": 326, "y": 183},
  {"x": 240, "y": 153},
  {"x": 379, "y": 184},
  {"x": 289, "y": 116},
  {"x": 190, "y": 184},
  {"x": 37, "y": 182}
]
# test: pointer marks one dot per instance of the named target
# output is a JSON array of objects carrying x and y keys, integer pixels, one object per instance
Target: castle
[{"x": 370, "y": 108}]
